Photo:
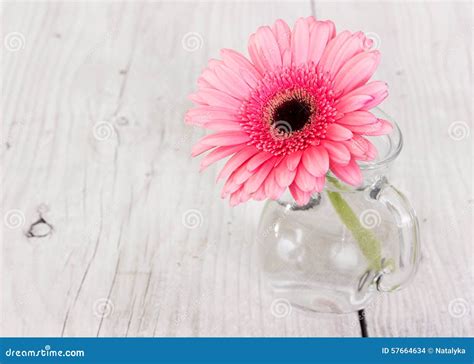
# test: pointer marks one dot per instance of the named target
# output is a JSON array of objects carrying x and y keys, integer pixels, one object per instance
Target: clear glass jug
[{"x": 346, "y": 245}]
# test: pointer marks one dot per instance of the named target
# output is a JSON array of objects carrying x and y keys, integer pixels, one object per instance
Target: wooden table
[{"x": 109, "y": 229}]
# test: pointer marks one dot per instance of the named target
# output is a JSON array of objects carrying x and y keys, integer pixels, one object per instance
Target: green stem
[{"x": 368, "y": 242}]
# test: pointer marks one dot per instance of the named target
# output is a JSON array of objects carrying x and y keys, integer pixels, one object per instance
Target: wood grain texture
[{"x": 118, "y": 233}]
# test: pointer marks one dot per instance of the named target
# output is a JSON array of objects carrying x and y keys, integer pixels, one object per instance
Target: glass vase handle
[{"x": 399, "y": 270}]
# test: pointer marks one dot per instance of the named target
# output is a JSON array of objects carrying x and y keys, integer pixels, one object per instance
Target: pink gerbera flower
[{"x": 297, "y": 109}]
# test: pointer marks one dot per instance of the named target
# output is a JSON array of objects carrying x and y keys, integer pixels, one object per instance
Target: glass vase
[{"x": 336, "y": 253}]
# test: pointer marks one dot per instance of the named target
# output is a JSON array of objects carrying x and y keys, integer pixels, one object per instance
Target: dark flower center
[{"x": 291, "y": 115}]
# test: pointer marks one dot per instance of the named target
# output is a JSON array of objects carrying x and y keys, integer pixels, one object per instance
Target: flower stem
[{"x": 368, "y": 242}]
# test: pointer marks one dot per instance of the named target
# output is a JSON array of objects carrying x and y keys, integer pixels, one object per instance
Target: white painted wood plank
[
  {"x": 94, "y": 143},
  {"x": 426, "y": 56}
]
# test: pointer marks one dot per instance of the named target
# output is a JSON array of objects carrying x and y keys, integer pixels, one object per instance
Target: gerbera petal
[
  {"x": 244, "y": 197},
  {"x": 305, "y": 180},
  {"x": 300, "y": 42},
  {"x": 272, "y": 189},
  {"x": 376, "y": 100},
  {"x": 268, "y": 47},
  {"x": 249, "y": 78},
  {"x": 367, "y": 42},
  {"x": 283, "y": 35},
  {"x": 258, "y": 177},
  {"x": 383, "y": 127},
  {"x": 332, "y": 29},
  {"x": 235, "y": 60},
  {"x": 286, "y": 58},
  {"x": 200, "y": 148},
  {"x": 320, "y": 182},
  {"x": 203, "y": 114},
  {"x": 316, "y": 160},
  {"x": 257, "y": 160},
  {"x": 218, "y": 154},
  {"x": 242, "y": 66},
  {"x": 319, "y": 37},
  {"x": 332, "y": 49},
  {"x": 380, "y": 127},
  {"x": 301, "y": 197},
  {"x": 213, "y": 63},
  {"x": 356, "y": 71},
  {"x": 373, "y": 88},
  {"x": 259, "y": 195},
  {"x": 236, "y": 161},
  {"x": 349, "y": 173},
  {"x": 283, "y": 175},
  {"x": 357, "y": 118},
  {"x": 231, "y": 185},
  {"x": 360, "y": 148},
  {"x": 219, "y": 98},
  {"x": 364, "y": 129},
  {"x": 198, "y": 99},
  {"x": 338, "y": 153},
  {"x": 234, "y": 83},
  {"x": 352, "y": 46},
  {"x": 377, "y": 89},
  {"x": 225, "y": 138},
  {"x": 338, "y": 132},
  {"x": 311, "y": 20},
  {"x": 235, "y": 197},
  {"x": 372, "y": 151},
  {"x": 254, "y": 54},
  {"x": 241, "y": 175},
  {"x": 222, "y": 125},
  {"x": 292, "y": 160},
  {"x": 351, "y": 103},
  {"x": 209, "y": 77},
  {"x": 203, "y": 83}
]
